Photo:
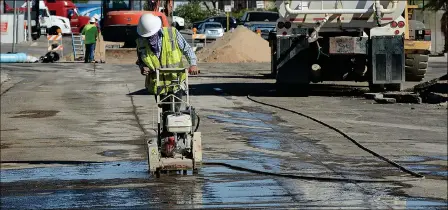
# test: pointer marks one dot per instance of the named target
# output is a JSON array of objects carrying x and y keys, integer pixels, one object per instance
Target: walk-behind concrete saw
[{"x": 178, "y": 144}]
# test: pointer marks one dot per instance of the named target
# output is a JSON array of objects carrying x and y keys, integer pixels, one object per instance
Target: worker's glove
[
  {"x": 144, "y": 70},
  {"x": 193, "y": 70}
]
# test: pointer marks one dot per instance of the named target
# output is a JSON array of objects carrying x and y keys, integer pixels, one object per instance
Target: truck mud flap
[
  {"x": 388, "y": 59},
  {"x": 292, "y": 61}
]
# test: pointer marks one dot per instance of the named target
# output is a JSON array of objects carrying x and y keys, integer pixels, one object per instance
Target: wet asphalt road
[{"x": 61, "y": 113}]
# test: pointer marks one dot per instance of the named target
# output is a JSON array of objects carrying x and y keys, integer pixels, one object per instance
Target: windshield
[
  {"x": 43, "y": 13},
  {"x": 117, "y": 5},
  {"x": 261, "y": 16},
  {"x": 213, "y": 25}
]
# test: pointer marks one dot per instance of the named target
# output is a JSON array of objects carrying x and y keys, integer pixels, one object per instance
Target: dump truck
[{"x": 350, "y": 40}]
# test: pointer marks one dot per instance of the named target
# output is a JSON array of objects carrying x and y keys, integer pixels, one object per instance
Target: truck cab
[
  {"x": 50, "y": 24},
  {"x": 69, "y": 10}
]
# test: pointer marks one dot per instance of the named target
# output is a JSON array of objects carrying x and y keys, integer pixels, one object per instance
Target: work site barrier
[
  {"x": 198, "y": 37},
  {"x": 54, "y": 43}
]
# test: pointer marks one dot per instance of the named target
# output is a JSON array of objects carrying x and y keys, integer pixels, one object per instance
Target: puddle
[
  {"x": 420, "y": 158},
  {"x": 428, "y": 169},
  {"x": 96, "y": 171},
  {"x": 421, "y": 203},
  {"x": 239, "y": 121},
  {"x": 264, "y": 142},
  {"x": 251, "y": 115},
  {"x": 265, "y": 190}
]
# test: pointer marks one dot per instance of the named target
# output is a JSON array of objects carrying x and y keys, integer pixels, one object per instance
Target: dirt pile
[{"x": 240, "y": 46}]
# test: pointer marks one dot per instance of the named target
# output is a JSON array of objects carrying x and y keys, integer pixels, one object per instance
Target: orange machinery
[{"x": 120, "y": 18}]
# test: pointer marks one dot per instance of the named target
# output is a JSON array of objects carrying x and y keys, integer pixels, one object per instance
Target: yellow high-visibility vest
[{"x": 170, "y": 57}]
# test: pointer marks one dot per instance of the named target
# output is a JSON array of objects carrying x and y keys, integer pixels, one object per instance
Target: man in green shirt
[{"x": 90, "y": 32}]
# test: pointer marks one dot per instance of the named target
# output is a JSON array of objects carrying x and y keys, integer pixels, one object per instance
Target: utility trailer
[{"x": 325, "y": 40}]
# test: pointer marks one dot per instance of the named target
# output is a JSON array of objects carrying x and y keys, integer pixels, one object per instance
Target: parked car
[
  {"x": 265, "y": 28},
  {"x": 212, "y": 30},
  {"x": 220, "y": 19},
  {"x": 258, "y": 16}
]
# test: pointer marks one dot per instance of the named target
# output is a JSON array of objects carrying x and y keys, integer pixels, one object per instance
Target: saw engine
[{"x": 179, "y": 142}]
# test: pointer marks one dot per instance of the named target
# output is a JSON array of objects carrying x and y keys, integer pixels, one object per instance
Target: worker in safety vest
[
  {"x": 90, "y": 31},
  {"x": 162, "y": 47}
]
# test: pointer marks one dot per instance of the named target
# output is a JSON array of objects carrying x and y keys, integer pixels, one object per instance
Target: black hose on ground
[
  {"x": 313, "y": 178},
  {"x": 346, "y": 136}
]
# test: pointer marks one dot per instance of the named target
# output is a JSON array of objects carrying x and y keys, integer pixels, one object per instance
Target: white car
[{"x": 179, "y": 22}]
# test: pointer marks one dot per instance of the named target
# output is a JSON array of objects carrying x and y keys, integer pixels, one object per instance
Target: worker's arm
[
  {"x": 83, "y": 32},
  {"x": 140, "y": 63},
  {"x": 186, "y": 49}
]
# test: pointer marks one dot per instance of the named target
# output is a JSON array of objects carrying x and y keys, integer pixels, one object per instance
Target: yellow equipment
[{"x": 417, "y": 46}]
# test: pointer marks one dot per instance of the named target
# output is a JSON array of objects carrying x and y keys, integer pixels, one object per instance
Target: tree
[{"x": 193, "y": 12}]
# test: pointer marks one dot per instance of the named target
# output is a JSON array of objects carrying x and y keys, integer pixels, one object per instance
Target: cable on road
[
  {"x": 346, "y": 136},
  {"x": 313, "y": 178}
]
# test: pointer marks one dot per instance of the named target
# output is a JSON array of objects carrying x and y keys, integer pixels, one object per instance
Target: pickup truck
[
  {"x": 258, "y": 16},
  {"x": 265, "y": 28}
]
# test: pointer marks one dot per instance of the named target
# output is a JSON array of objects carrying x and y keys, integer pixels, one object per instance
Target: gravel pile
[{"x": 240, "y": 46}]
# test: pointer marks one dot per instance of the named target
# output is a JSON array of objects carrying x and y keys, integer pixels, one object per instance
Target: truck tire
[{"x": 416, "y": 66}]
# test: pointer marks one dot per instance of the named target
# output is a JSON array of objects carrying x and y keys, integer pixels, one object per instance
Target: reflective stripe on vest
[{"x": 170, "y": 57}]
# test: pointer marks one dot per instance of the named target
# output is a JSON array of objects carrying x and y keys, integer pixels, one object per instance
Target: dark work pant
[
  {"x": 90, "y": 53},
  {"x": 167, "y": 107}
]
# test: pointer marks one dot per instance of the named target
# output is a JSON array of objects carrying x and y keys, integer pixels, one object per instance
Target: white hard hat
[
  {"x": 148, "y": 25},
  {"x": 96, "y": 16},
  {"x": 92, "y": 20}
]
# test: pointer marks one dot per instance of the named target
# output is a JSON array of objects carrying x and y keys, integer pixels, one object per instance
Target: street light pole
[
  {"x": 29, "y": 19},
  {"x": 14, "y": 25}
]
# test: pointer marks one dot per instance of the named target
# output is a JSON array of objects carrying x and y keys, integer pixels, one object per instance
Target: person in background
[
  {"x": 98, "y": 21},
  {"x": 90, "y": 31}
]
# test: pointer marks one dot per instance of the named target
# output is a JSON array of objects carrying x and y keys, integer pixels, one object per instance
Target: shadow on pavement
[
  {"x": 139, "y": 92},
  {"x": 263, "y": 76}
]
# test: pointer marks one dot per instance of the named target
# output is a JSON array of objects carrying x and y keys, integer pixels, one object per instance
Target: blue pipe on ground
[{"x": 13, "y": 58}]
